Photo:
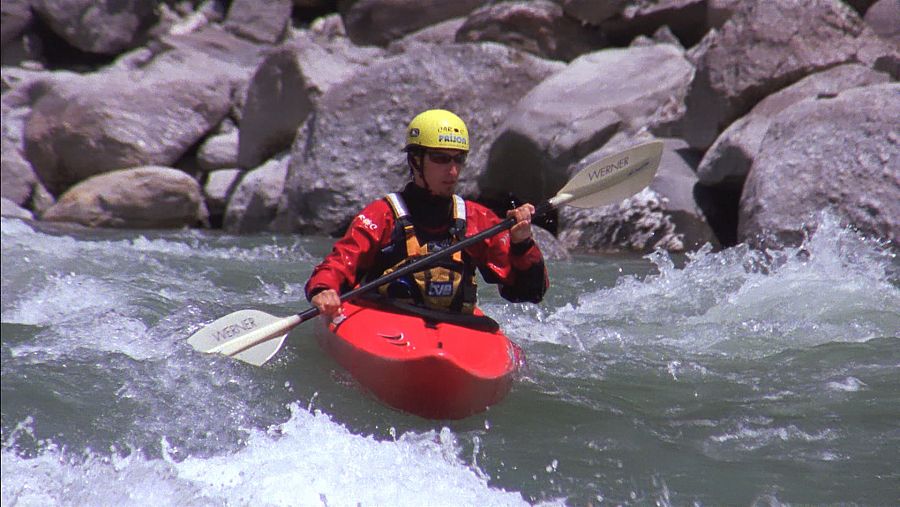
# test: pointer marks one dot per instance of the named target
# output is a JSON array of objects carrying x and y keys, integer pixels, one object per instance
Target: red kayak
[{"x": 432, "y": 364}]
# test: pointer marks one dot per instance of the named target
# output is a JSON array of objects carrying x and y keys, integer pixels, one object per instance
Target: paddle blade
[
  {"x": 249, "y": 335},
  {"x": 259, "y": 354},
  {"x": 612, "y": 178}
]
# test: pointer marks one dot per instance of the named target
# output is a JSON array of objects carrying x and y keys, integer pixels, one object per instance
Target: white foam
[
  {"x": 750, "y": 436},
  {"x": 308, "y": 460},
  {"x": 105, "y": 294},
  {"x": 847, "y": 385},
  {"x": 328, "y": 465},
  {"x": 187, "y": 244},
  {"x": 84, "y": 312},
  {"x": 837, "y": 287}
]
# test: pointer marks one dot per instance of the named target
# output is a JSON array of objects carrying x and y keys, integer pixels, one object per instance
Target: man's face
[{"x": 441, "y": 171}]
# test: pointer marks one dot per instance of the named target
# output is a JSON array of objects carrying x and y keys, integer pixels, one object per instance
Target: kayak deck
[{"x": 437, "y": 370}]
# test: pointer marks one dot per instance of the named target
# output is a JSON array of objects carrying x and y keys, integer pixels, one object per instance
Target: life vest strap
[{"x": 443, "y": 280}]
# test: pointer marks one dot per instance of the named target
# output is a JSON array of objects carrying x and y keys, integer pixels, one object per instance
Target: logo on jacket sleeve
[{"x": 367, "y": 222}]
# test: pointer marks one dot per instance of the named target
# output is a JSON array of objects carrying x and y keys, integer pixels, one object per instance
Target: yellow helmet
[{"x": 437, "y": 128}]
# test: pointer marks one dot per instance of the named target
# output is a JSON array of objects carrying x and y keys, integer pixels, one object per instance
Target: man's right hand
[{"x": 328, "y": 302}]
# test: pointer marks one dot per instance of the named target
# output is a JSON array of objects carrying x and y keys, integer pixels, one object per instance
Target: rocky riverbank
[{"x": 288, "y": 115}]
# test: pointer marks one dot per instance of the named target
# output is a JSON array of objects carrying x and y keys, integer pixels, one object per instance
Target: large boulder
[
  {"x": 347, "y": 153},
  {"x": 13, "y": 210},
  {"x": 379, "y": 22},
  {"x": 219, "y": 151},
  {"x": 438, "y": 33},
  {"x": 118, "y": 119},
  {"x": 105, "y": 28},
  {"x": 18, "y": 178},
  {"x": 729, "y": 159},
  {"x": 15, "y": 16},
  {"x": 265, "y": 22},
  {"x": 218, "y": 189},
  {"x": 838, "y": 153},
  {"x": 237, "y": 58},
  {"x": 663, "y": 216},
  {"x": 255, "y": 200},
  {"x": 539, "y": 27},
  {"x": 18, "y": 181},
  {"x": 552, "y": 248},
  {"x": 139, "y": 198},
  {"x": 284, "y": 88},
  {"x": 884, "y": 18},
  {"x": 762, "y": 48},
  {"x": 561, "y": 120}
]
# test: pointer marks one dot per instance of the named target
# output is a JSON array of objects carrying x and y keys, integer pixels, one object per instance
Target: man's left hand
[{"x": 522, "y": 230}]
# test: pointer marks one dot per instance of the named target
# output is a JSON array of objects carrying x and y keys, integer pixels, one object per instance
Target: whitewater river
[{"x": 726, "y": 377}]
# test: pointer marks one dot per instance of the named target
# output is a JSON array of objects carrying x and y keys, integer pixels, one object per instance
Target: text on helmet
[{"x": 450, "y": 138}]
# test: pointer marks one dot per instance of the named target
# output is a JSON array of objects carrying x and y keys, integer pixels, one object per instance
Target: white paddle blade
[
  {"x": 613, "y": 178},
  {"x": 249, "y": 335},
  {"x": 260, "y": 353}
]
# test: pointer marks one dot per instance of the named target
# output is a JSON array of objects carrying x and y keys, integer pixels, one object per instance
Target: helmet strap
[{"x": 416, "y": 161}]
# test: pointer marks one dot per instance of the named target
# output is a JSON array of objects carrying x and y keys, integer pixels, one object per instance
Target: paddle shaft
[{"x": 429, "y": 259}]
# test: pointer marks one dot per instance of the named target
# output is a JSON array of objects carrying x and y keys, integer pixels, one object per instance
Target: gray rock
[
  {"x": 379, "y": 22},
  {"x": 762, "y": 48},
  {"x": 259, "y": 21},
  {"x": 98, "y": 27},
  {"x": 112, "y": 120},
  {"x": 884, "y": 18},
  {"x": 219, "y": 151},
  {"x": 15, "y": 16},
  {"x": 438, "y": 33},
  {"x": 561, "y": 120},
  {"x": 729, "y": 159},
  {"x": 139, "y": 198},
  {"x": 840, "y": 154},
  {"x": 237, "y": 58},
  {"x": 348, "y": 152},
  {"x": 539, "y": 27},
  {"x": 284, "y": 88},
  {"x": 219, "y": 187},
  {"x": 18, "y": 178},
  {"x": 551, "y": 248},
  {"x": 255, "y": 200},
  {"x": 13, "y": 210},
  {"x": 19, "y": 182}
]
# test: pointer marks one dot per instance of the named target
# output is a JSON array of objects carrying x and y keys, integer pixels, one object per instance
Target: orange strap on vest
[{"x": 412, "y": 242}]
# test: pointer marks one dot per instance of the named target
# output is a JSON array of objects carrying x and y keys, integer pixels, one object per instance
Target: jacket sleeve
[
  {"x": 355, "y": 252},
  {"x": 518, "y": 269}
]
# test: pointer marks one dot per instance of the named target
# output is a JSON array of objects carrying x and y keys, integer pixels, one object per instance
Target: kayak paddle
[{"x": 254, "y": 336}]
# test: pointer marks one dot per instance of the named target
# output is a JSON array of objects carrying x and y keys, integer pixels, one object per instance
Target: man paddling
[{"x": 427, "y": 216}]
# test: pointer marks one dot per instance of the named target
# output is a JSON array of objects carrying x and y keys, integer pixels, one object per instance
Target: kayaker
[{"x": 424, "y": 217}]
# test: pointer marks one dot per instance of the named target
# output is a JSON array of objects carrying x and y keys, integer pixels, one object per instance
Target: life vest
[{"x": 449, "y": 285}]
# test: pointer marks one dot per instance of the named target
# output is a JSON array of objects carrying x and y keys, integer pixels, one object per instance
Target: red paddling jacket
[{"x": 395, "y": 230}]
